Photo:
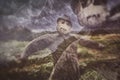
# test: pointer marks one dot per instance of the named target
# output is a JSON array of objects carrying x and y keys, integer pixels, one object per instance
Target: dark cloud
[
  {"x": 38, "y": 14},
  {"x": 113, "y": 3}
]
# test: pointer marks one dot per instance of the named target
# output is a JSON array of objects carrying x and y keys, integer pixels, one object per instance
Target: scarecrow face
[
  {"x": 91, "y": 13},
  {"x": 64, "y": 26}
]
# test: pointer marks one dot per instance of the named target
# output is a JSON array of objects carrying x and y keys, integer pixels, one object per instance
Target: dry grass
[{"x": 40, "y": 69}]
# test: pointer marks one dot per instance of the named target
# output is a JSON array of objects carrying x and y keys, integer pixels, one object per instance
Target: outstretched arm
[{"x": 38, "y": 44}]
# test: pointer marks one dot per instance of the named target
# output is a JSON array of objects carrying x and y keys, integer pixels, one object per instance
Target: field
[{"x": 92, "y": 61}]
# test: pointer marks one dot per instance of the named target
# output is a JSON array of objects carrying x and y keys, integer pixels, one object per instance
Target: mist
[{"x": 37, "y": 15}]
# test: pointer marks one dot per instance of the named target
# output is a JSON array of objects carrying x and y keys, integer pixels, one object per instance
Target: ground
[{"x": 40, "y": 68}]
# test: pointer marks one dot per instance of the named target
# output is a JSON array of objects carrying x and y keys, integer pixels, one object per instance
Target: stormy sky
[{"x": 38, "y": 14}]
